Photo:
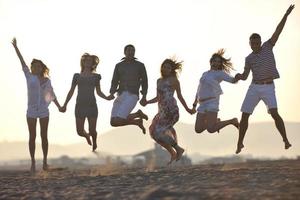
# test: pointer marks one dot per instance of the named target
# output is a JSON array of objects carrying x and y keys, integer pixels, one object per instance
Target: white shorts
[
  {"x": 211, "y": 105},
  {"x": 124, "y": 104},
  {"x": 255, "y": 93}
]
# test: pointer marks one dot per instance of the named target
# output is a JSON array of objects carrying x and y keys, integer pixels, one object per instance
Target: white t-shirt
[
  {"x": 39, "y": 94},
  {"x": 209, "y": 84}
]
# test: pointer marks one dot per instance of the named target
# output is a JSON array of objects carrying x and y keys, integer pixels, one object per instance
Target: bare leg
[
  {"x": 44, "y": 137},
  {"x": 280, "y": 127},
  {"x": 169, "y": 139},
  {"x": 117, "y": 121},
  {"x": 201, "y": 123},
  {"x": 170, "y": 150},
  {"x": 214, "y": 125},
  {"x": 80, "y": 130},
  {"x": 31, "y": 123},
  {"x": 138, "y": 114},
  {"x": 242, "y": 132},
  {"x": 93, "y": 132},
  {"x": 179, "y": 151},
  {"x": 173, "y": 133}
]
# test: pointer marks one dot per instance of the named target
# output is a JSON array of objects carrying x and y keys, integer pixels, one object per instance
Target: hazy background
[{"x": 59, "y": 32}]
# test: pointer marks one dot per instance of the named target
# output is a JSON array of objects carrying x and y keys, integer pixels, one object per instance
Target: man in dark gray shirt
[{"x": 129, "y": 75}]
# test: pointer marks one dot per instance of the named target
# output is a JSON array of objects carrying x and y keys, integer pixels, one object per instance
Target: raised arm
[
  {"x": 14, "y": 43},
  {"x": 176, "y": 85},
  {"x": 280, "y": 26}
]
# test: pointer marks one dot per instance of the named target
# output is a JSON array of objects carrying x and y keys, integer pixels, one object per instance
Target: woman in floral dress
[{"x": 161, "y": 129}]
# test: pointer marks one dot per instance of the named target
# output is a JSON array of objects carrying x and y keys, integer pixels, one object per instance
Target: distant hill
[
  {"x": 19, "y": 150},
  {"x": 262, "y": 140}
]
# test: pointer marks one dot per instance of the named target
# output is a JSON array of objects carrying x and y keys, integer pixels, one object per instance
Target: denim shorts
[{"x": 211, "y": 105}]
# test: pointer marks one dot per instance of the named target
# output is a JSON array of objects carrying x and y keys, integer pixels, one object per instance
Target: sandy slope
[{"x": 251, "y": 180}]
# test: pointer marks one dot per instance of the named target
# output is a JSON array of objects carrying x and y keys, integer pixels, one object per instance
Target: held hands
[
  {"x": 62, "y": 109},
  {"x": 110, "y": 97},
  {"x": 289, "y": 10},
  {"x": 237, "y": 77},
  {"x": 191, "y": 111},
  {"x": 143, "y": 101}
]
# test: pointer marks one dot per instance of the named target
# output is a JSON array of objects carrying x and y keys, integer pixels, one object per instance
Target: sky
[{"x": 59, "y": 32}]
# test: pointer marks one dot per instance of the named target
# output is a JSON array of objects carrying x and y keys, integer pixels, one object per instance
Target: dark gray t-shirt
[
  {"x": 86, "y": 87},
  {"x": 129, "y": 76}
]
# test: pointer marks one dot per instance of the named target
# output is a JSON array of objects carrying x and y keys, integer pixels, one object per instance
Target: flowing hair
[
  {"x": 95, "y": 61},
  {"x": 176, "y": 66},
  {"x": 45, "y": 69},
  {"x": 226, "y": 63}
]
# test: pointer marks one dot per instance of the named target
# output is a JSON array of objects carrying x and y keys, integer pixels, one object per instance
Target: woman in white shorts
[
  {"x": 40, "y": 94},
  {"x": 208, "y": 95}
]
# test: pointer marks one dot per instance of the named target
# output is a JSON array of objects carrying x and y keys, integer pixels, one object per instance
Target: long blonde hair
[
  {"x": 176, "y": 66},
  {"x": 45, "y": 69},
  {"x": 226, "y": 63},
  {"x": 95, "y": 61}
]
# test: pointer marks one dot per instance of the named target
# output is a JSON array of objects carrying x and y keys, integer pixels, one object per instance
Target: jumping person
[
  {"x": 262, "y": 64},
  {"x": 129, "y": 75},
  {"x": 86, "y": 107},
  {"x": 208, "y": 94},
  {"x": 162, "y": 127}
]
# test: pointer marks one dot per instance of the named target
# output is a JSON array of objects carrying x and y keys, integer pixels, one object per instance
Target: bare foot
[
  {"x": 94, "y": 137},
  {"x": 87, "y": 137},
  {"x": 173, "y": 157},
  {"x": 239, "y": 148},
  {"x": 142, "y": 115},
  {"x": 218, "y": 120},
  {"x": 235, "y": 122},
  {"x": 140, "y": 124},
  {"x": 45, "y": 167},
  {"x": 179, "y": 153},
  {"x": 32, "y": 168},
  {"x": 287, "y": 145}
]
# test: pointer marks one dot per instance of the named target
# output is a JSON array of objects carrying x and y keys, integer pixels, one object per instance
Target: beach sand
[{"x": 250, "y": 180}]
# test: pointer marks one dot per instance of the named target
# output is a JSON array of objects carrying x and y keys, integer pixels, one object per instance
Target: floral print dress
[{"x": 168, "y": 112}]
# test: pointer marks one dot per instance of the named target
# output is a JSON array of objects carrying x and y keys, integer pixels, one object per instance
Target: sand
[{"x": 250, "y": 180}]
